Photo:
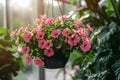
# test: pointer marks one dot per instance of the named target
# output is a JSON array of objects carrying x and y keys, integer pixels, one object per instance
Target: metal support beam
[
  {"x": 7, "y": 14},
  {"x": 41, "y": 73},
  {"x": 40, "y": 7}
]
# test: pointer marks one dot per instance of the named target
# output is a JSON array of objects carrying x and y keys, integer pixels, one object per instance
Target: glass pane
[
  {"x": 55, "y": 8},
  {"x": 22, "y": 12}
]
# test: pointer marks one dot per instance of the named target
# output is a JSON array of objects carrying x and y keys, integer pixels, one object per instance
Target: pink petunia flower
[
  {"x": 38, "y": 61},
  {"x": 12, "y": 34},
  {"x": 77, "y": 23},
  {"x": 25, "y": 49},
  {"x": 74, "y": 39},
  {"x": 76, "y": 67},
  {"x": 41, "y": 44},
  {"x": 85, "y": 38},
  {"x": 48, "y": 44},
  {"x": 19, "y": 49},
  {"x": 66, "y": 39},
  {"x": 55, "y": 33},
  {"x": 66, "y": 32},
  {"x": 49, "y": 21},
  {"x": 64, "y": 17},
  {"x": 49, "y": 52},
  {"x": 82, "y": 32},
  {"x": 71, "y": 41},
  {"x": 43, "y": 18},
  {"x": 37, "y": 21},
  {"x": 85, "y": 46},
  {"x": 27, "y": 36},
  {"x": 89, "y": 28},
  {"x": 40, "y": 35},
  {"x": 38, "y": 28},
  {"x": 28, "y": 59}
]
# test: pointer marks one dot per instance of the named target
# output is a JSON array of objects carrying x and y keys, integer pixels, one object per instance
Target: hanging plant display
[{"x": 50, "y": 40}]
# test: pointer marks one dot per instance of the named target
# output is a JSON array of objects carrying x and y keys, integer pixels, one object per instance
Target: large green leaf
[
  {"x": 107, "y": 31},
  {"x": 116, "y": 69}
]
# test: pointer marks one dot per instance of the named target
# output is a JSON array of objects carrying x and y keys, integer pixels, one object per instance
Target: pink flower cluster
[
  {"x": 27, "y": 36},
  {"x": 55, "y": 33},
  {"x": 37, "y": 60},
  {"x": 48, "y": 36},
  {"x": 28, "y": 59}
]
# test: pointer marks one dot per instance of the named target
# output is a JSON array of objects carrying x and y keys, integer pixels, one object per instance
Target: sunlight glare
[
  {"x": 23, "y": 3},
  {"x": 20, "y": 3},
  {"x": 0, "y": 1}
]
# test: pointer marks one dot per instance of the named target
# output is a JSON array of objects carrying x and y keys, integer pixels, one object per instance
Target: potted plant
[{"x": 50, "y": 40}]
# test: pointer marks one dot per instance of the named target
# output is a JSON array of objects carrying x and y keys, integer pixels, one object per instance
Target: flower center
[
  {"x": 55, "y": 34},
  {"x": 40, "y": 35},
  {"x": 85, "y": 45},
  {"x": 42, "y": 43},
  {"x": 49, "y": 50}
]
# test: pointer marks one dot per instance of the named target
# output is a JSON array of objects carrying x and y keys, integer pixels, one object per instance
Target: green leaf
[
  {"x": 75, "y": 57},
  {"x": 107, "y": 31},
  {"x": 88, "y": 57},
  {"x": 116, "y": 69},
  {"x": 116, "y": 9},
  {"x": 109, "y": 5}
]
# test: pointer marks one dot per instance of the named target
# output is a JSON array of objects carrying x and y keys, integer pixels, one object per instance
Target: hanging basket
[
  {"x": 58, "y": 60},
  {"x": 50, "y": 38}
]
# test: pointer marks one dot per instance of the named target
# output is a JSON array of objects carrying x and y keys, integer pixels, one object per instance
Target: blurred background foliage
[
  {"x": 9, "y": 64},
  {"x": 103, "y": 61}
]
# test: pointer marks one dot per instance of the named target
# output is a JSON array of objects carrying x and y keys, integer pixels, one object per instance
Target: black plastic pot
[{"x": 58, "y": 60}]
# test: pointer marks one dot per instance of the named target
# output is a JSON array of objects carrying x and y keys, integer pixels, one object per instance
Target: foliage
[
  {"x": 50, "y": 35},
  {"x": 9, "y": 64},
  {"x": 102, "y": 62}
]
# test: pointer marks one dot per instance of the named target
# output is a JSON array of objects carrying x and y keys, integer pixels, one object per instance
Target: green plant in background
[
  {"x": 103, "y": 61},
  {"x": 9, "y": 64}
]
